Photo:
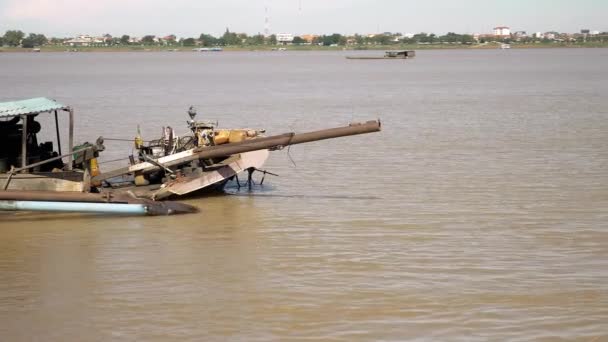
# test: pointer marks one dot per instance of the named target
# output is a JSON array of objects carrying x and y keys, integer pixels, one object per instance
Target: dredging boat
[
  {"x": 403, "y": 54},
  {"x": 39, "y": 177}
]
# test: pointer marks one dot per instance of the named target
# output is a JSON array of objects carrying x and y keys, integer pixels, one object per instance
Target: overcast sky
[{"x": 192, "y": 17}]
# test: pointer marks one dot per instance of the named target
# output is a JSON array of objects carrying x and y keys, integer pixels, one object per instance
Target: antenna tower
[{"x": 266, "y": 22}]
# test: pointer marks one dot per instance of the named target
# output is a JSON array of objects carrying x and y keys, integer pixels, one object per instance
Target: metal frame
[
  {"x": 24, "y": 119},
  {"x": 58, "y": 135},
  {"x": 24, "y": 142}
]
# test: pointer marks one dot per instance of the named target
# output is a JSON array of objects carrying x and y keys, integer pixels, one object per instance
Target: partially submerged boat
[
  {"x": 169, "y": 167},
  {"x": 401, "y": 54},
  {"x": 206, "y": 159}
]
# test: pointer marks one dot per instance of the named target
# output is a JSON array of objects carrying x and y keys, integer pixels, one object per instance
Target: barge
[
  {"x": 403, "y": 54},
  {"x": 161, "y": 169}
]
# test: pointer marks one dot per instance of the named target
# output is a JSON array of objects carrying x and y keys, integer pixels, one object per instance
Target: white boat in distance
[
  {"x": 213, "y": 49},
  {"x": 505, "y": 46}
]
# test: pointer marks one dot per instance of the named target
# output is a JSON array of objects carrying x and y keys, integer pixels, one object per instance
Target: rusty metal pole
[
  {"x": 58, "y": 135},
  {"x": 71, "y": 139},
  {"x": 24, "y": 143}
]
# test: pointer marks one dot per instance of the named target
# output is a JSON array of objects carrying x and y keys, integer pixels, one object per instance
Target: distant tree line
[{"x": 18, "y": 38}]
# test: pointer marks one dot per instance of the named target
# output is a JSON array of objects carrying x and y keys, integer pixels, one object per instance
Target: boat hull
[
  {"x": 45, "y": 181},
  {"x": 216, "y": 178},
  {"x": 395, "y": 58}
]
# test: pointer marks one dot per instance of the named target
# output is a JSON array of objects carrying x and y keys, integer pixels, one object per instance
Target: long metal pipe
[
  {"x": 272, "y": 142},
  {"x": 152, "y": 208},
  {"x": 76, "y": 207},
  {"x": 280, "y": 141}
]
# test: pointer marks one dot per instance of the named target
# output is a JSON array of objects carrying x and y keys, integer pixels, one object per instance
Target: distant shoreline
[{"x": 489, "y": 46}]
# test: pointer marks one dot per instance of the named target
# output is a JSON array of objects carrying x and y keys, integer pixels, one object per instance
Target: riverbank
[{"x": 308, "y": 47}]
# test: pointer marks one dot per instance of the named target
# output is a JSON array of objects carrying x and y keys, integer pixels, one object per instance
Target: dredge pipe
[
  {"x": 87, "y": 202},
  {"x": 271, "y": 143},
  {"x": 75, "y": 207},
  {"x": 280, "y": 141}
]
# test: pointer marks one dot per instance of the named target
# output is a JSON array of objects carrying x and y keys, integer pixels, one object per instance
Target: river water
[{"x": 480, "y": 212}]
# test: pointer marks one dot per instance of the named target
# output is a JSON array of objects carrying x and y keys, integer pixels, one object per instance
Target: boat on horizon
[
  {"x": 207, "y": 49},
  {"x": 392, "y": 54}
]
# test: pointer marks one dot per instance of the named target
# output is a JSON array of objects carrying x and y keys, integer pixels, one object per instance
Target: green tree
[
  {"x": 382, "y": 39},
  {"x": 29, "y": 41},
  {"x": 40, "y": 39},
  {"x": 258, "y": 39},
  {"x": 148, "y": 40},
  {"x": 451, "y": 37},
  {"x": 298, "y": 40},
  {"x": 230, "y": 38},
  {"x": 33, "y": 40},
  {"x": 243, "y": 37},
  {"x": 359, "y": 39},
  {"x": 124, "y": 40},
  {"x": 467, "y": 39},
  {"x": 189, "y": 42},
  {"x": 1, "y": 41},
  {"x": 13, "y": 37},
  {"x": 208, "y": 40},
  {"x": 421, "y": 37},
  {"x": 334, "y": 39},
  {"x": 272, "y": 40},
  {"x": 407, "y": 40}
]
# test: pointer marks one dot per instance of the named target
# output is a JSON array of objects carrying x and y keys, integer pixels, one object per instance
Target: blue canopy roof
[{"x": 29, "y": 107}]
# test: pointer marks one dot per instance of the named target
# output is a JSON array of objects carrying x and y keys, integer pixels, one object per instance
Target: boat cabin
[
  {"x": 26, "y": 163},
  {"x": 400, "y": 54}
]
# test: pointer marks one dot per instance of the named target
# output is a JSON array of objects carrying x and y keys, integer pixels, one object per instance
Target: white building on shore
[
  {"x": 85, "y": 40},
  {"x": 284, "y": 38},
  {"x": 502, "y": 31}
]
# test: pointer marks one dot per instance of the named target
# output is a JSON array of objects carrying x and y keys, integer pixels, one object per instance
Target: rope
[
  {"x": 112, "y": 161},
  {"x": 118, "y": 139}
]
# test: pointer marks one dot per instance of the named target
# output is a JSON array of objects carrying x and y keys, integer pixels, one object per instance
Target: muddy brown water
[{"x": 479, "y": 213}]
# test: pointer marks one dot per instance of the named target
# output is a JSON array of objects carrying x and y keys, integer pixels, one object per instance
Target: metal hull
[
  {"x": 46, "y": 181},
  {"x": 211, "y": 179},
  {"x": 214, "y": 179}
]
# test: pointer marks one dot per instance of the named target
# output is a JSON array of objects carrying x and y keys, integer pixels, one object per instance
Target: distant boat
[
  {"x": 505, "y": 46},
  {"x": 36, "y": 50},
  {"x": 206, "y": 49},
  {"x": 404, "y": 54}
]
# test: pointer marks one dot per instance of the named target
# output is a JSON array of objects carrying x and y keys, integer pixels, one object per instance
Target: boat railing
[{"x": 14, "y": 170}]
